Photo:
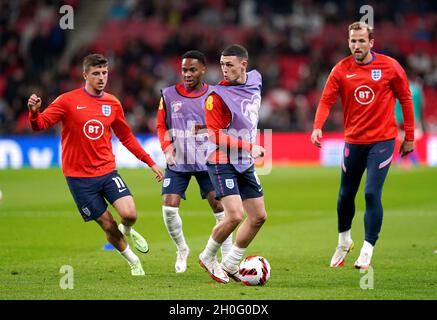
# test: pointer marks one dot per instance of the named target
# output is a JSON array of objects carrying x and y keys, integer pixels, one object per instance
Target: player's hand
[
  {"x": 198, "y": 129},
  {"x": 159, "y": 175},
  {"x": 170, "y": 156},
  {"x": 34, "y": 103},
  {"x": 257, "y": 151},
  {"x": 406, "y": 148},
  {"x": 316, "y": 136}
]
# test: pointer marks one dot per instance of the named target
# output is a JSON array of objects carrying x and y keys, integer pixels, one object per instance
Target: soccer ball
[{"x": 254, "y": 271}]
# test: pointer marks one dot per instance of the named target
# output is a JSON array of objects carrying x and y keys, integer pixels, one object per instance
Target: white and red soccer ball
[{"x": 254, "y": 271}]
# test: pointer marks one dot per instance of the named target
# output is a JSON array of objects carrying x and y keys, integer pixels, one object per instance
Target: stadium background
[{"x": 294, "y": 44}]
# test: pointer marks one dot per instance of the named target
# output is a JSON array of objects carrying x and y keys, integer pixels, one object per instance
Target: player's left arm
[
  {"x": 127, "y": 138},
  {"x": 401, "y": 90}
]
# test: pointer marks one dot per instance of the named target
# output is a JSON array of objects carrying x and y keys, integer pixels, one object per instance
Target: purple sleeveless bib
[
  {"x": 182, "y": 113},
  {"x": 243, "y": 102}
]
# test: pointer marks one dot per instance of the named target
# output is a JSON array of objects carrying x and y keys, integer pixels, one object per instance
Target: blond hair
[{"x": 359, "y": 25}]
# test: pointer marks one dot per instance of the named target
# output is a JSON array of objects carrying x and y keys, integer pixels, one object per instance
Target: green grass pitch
[{"x": 41, "y": 230}]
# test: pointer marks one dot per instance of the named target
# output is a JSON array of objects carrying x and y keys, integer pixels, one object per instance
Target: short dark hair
[
  {"x": 195, "y": 54},
  {"x": 94, "y": 59},
  {"x": 236, "y": 50},
  {"x": 359, "y": 25}
]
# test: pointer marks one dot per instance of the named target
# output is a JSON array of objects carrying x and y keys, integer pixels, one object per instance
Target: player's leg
[
  {"x": 92, "y": 206},
  {"x": 378, "y": 164},
  {"x": 173, "y": 223},
  {"x": 253, "y": 204},
  {"x": 224, "y": 179},
  {"x": 116, "y": 238},
  {"x": 234, "y": 212},
  {"x": 352, "y": 169},
  {"x": 173, "y": 189},
  {"x": 207, "y": 192},
  {"x": 125, "y": 207},
  {"x": 118, "y": 194}
]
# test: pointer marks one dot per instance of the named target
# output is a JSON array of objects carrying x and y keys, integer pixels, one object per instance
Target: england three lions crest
[
  {"x": 230, "y": 183},
  {"x": 176, "y": 105},
  {"x": 106, "y": 110},
  {"x": 376, "y": 74}
]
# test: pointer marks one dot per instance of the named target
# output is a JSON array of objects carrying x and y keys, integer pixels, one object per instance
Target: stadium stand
[{"x": 293, "y": 43}]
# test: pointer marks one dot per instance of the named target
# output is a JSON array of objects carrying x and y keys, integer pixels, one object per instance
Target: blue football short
[
  {"x": 91, "y": 194},
  {"x": 228, "y": 181},
  {"x": 177, "y": 182}
]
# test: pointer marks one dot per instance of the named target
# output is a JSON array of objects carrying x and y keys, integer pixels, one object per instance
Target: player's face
[
  {"x": 360, "y": 45},
  {"x": 96, "y": 78},
  {"x": 233, "y": 68},
  {"x": 192, "y": 73}
]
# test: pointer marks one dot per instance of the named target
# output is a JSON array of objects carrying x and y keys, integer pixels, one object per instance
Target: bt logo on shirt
[
  {"x": 364, "y": 95},
  {"x": 93, "y": 129}
]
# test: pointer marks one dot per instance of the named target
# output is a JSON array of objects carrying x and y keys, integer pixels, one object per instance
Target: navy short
[
  {"x": 177, "y": 182},
  {"x": 228, "y": 181},
  {"x": 90, "y": 193}
]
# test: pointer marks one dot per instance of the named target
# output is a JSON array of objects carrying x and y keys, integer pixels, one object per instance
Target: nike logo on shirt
[
  {"x": 350, "y": 75},
  {"x": 80, "y": 107}
]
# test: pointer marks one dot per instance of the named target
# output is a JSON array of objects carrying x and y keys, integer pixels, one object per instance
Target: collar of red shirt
[{"x": 186, "y": 92}]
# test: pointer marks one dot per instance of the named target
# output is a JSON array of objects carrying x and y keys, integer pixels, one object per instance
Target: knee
[
  {"x": 372, "y": 196},
  {"x": 260, "y": 219},
  {"x": 235, "y": 217},
  {"x": 345, "y": 195},
  {"x": 128, "y": 214},
  {"x": 171, "y": 200}
]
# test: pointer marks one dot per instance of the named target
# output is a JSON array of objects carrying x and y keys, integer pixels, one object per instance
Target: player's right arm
[
  {"x": 163, "y": 134},
  {"x": 51, "y": 115},
  {"x": 329, "y": 96}
]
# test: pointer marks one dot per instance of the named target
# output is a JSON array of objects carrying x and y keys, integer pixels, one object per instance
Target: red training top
[
  {"x": 87, "y": 121},
  {"x": 368, "y": 94}
]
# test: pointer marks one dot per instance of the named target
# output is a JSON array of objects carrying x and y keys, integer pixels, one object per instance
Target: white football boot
[
  {"x": 181, "y": 260},
  {"x": 340, "y": 254},
  {"x": 214, "y": 269},
  {"x": 363, "y": 261},
  {"x": 231, "y": 272},
  {"x": 136, "y": 268}
]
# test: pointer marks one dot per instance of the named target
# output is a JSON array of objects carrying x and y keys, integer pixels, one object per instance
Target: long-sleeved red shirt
[
  {"x": 218, "y": 117},
  {"x": 368, "y": 93},
  {"x": 87, "y": 121}
]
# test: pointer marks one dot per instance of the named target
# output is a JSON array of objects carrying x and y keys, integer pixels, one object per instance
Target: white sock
[
  {"x": 211, "y": 249},
  {"x": 129, "y": 255},
  {"x": 173, "y": 223},
  {"x": 125, "y": 229},
  {"x": 232, "y": 260},
  {"x": 367, "y": 248},
  {"x": 344, "y": 237},
  {"x": 227, "y": 244}
]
